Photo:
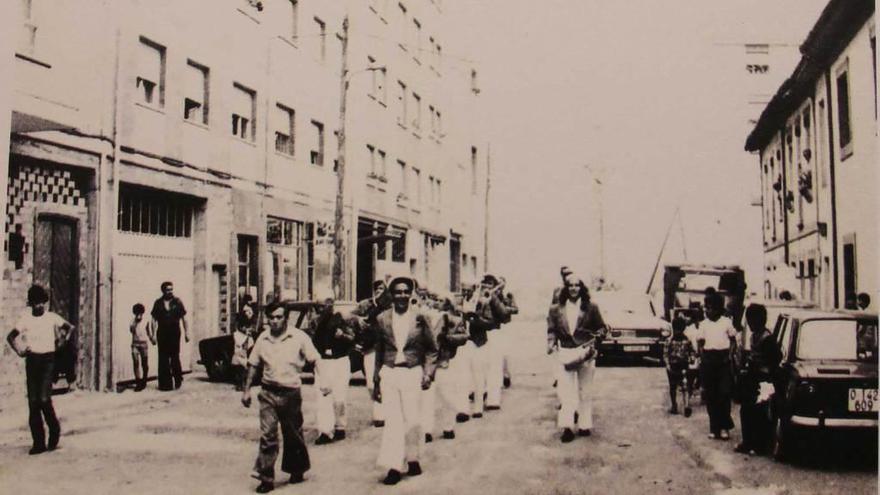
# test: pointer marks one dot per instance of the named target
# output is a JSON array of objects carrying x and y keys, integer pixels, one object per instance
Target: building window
[
  {"x": 398, "y": 246},
  {"x": 417, "y": 111},
  {"x": 382, "y": 162},
  {"x": 289, "y": 246},
  {"x": 154, "y": 212},
  {"x": 473, "y": 170},
  {"x": 371, "y": 152},
  {"x": 843, "y": 111},
  {"x": 475, "y": 88},
  {"x": 850, "y": 266},
  {"x": 248, "y": 269},
  {"x": 417, "y": 40},
  {"x": 294, "y": 19},
  {"x": 321, "y": 34},
  {"x": 285, "y": 127},
  {"x": 150, "y": 80},
  {"x": 402, "y": 12},
  {"x": 374, "y": 87},
  {"x": 439, "y": 193},
  {"x": 317, "y": 154},
  {"x": 417, "y": 185},
  {"x": 336, "y": 149},
  {"x": 401, "y": 99},
  {"x": 27, "y": 39},
  {"x": 197, "y": 86},
  {"x": 432, "y": 192},
  {"x": 401, "y": 165},
  {"x": 244, "y": 112},
  {"x": 381, "y": 245}
]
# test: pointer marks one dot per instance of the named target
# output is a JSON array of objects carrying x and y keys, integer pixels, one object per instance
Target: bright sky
[{"x": 652, "y": 95}]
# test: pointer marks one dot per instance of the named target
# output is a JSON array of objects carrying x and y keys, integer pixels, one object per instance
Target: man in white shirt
[
  {"x": 715, "y": 338},
  {"x": 35, "y": 337}
]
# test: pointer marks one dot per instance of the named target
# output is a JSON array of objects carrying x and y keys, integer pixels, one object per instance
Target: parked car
[
  {"x": 827, "y": 380},
  {"x": 216, "y": 352},
  {"x": 633, "y": 330}
]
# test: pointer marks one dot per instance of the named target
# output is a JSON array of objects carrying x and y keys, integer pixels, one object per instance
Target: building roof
[{"x": 836, "y": 27}]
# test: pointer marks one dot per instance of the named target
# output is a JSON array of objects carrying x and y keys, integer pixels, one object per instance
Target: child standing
[
  {"x": 243, "y": 341},
  {"x": 139, "y": 334},
  {"x": 678, "y": 353}
]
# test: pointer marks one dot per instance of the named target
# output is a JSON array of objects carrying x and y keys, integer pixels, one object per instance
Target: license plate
[
  {"x": 863, "y": 399},
  {"x": 636, "y": 348}
]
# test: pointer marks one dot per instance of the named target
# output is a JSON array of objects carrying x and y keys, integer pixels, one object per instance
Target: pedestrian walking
[
  {"x": 760, "y": 365},
  {"x": 140, "y": 342},
  {"x": 280, "y": 354},
  {"x": 169, "y": 319},
  {"x": 243, "y": 341},
  {"x": 678, "y": 353},
  {"x": 475, "y": 353},
  {"x": 36, "y": 336},
  {"x": 574, "y": 327},
  {"x": 365, "y": 339},
  {"x": 334, "y": 339},
  {"x": 406, "y": 357},
  {"x": 715, "y": 340},
  {"x": 451, "y": 333}
]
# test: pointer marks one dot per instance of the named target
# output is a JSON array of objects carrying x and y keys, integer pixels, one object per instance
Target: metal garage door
[{"x": 140, "y": 264}]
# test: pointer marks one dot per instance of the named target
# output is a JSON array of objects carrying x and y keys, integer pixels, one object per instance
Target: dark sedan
[{"x": 827, "y": 380}]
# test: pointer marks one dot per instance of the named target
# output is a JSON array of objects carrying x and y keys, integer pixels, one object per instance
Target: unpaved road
[{"x": 200, "y": 440}]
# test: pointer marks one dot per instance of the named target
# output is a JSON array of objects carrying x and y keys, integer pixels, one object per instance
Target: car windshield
[
  {"x": 616, "y": 303},
  {"x": 837, "y": 339}
]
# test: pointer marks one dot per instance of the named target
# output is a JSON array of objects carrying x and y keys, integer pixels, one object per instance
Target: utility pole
[
  {"x": 597, "y": 182},
  {"x": 338, "y": 247},
  {"x": 486, "y": 212}
]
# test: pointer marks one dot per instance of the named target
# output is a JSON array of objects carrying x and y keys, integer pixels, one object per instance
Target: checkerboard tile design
[{"x": 37, "y": 184}]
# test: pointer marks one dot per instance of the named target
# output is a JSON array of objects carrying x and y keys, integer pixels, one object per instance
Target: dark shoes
[
  {"x": 462, "y": 418},
  {"x": 53, "y": 441},
  {"x": 265, "y": 487},
  {"x": 687, "y": 412},
  {"x": 742, "y": 449},
  {"x": 338, "y": 435},
  {"x": 449, "y": 435},
  {"x": 296, "y": 478},
  {"x": 493, "y": 408},
  {"x": 429, "y": 438},
  {"x": 415, "y": 468},
  {"x": 584, "y": 433},
  {"x": 378, "y": 423},
  {"x": 477, "y": 415},
  {"x": 506, "y": 382},
  {"x": 323, "y": 439},
  {"x": 567, "y": 435},
  {"x": 36, "y": 449},
  {"x": 673, "y": 410},
  {"x": 392, "y": 478}
]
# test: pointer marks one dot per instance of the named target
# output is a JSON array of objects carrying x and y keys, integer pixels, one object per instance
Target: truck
[{"x": 685, "y": 286}]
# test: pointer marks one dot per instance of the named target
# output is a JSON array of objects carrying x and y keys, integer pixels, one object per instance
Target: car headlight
[{"x": 665, "y": 333}]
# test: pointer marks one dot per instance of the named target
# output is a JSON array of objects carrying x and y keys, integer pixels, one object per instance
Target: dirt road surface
[{"x": 200, "y": 440}]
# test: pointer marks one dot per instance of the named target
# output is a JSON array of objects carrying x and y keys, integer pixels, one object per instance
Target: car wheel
[{"x": 781, "y": 447}]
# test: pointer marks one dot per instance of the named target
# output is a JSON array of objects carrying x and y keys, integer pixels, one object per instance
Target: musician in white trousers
[
  {"x": 367, "y": 311},
  {"x": 574, "y": 326},
  {"x": 450, "y": 333},
  {"x": 334, "y": 340},
  {"x": 406, "y": 357}
]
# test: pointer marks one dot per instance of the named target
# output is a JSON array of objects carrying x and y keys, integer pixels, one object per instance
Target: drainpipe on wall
[{"x": 833, "y": 187}]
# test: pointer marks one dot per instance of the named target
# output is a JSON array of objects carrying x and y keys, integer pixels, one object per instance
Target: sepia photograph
[{"x": 439, "y": 247}]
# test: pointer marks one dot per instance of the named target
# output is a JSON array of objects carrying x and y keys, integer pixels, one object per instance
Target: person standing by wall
[
  {"x": 715, "y": 340},
  {"x": 281, "y": 354},
  {"x": 169, "y": 318},
  {"x": 139, "y": 346},
  {"x": 574, "y": 326},
  {"x": 406, "y": 358},
  {"x": 35, "y": 337}
]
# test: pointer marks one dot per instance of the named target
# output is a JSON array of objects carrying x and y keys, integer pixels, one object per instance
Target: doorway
[
  {"x": 56, "y": 268},
  {"x": 365, "y": 261}
]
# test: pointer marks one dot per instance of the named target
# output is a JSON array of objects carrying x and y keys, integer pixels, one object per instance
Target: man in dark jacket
[
  {"x": 169, "y": 318},
  {"x": 334, "y": 340}
]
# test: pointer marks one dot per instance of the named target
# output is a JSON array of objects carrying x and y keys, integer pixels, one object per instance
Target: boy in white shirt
[{"x": 35, "y": 337}]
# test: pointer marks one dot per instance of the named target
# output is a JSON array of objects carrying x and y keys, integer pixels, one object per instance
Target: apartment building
[
  {"x": 196, "y": 142},
  {"x": 816, "y": 142}
]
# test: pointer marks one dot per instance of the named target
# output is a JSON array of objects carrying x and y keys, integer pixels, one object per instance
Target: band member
[
  {"x": 365, "y": 341},
  {"x": 451, "y": 333},
  {"x": 574, "y": 326},
  {"x": 35, "y": 337},
  {"x": 760, "y": 366},
  {"x": 512, "y": 309},
  {"x": 281, "y": 354},
  {"x": 491, "y": 313},
  {"x": 334, "y": 339},
  {"x": 406, "y": 357},
  {"x": 714, "y": 340}
]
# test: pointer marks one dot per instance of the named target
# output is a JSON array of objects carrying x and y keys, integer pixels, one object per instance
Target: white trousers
[
  {"x": 369, "y": 370},
  {"x": 494, "y": 368},
  {"x": 335, "y": 374},
  {"x": 575, "y": 389},
  {"x": 402, "y": 435},
  {"x": 442, "y": 400},
  {"x": 475, "y": 362}
]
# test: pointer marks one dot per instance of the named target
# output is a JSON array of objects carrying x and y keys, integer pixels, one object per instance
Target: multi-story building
[
  {"x": 816, "y": 140},
  {"x": 196, "y": 143}
]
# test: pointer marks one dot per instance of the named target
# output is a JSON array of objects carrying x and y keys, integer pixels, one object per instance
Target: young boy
[
  {"x": 139, "y": 335},
  {"x": 242, "y": 345},
  {"x": 35, "y": 337},
  {"x": 678, "y": 353}
]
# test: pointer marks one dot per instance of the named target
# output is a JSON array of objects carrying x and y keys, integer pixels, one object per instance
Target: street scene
[{"x": 432, "y": 246}]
